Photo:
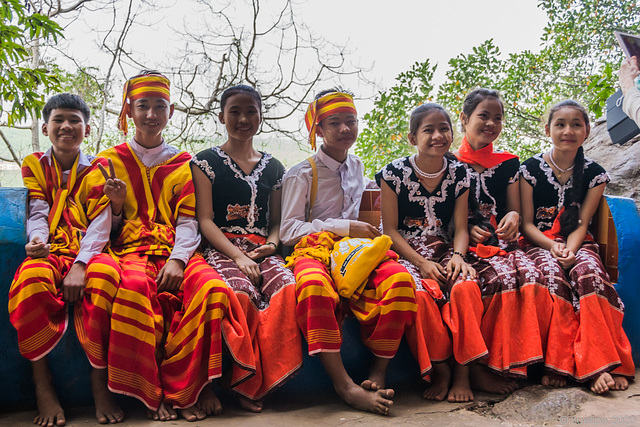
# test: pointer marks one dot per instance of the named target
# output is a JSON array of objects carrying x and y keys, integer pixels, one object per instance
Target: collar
[
  {"x": 332, "y": 164},
  {"x": 83, "y": 161},
  {"x": 144, "y": 151}
]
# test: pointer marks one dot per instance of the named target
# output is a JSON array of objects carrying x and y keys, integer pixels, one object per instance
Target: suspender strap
[{"x": 314, "y": 185}]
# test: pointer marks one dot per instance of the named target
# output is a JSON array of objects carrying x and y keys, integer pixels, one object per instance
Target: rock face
[{"x": 621, "y": 161}]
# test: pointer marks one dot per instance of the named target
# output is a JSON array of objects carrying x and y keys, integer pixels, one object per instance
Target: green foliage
[
  {"x": 19, "y": 80},
  {"x": 385, "y": 134},
  {"x": 578, "y": 59}
]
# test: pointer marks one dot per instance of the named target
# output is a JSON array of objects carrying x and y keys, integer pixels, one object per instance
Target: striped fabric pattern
[
  {"x": 146, "y": 85},
  {"x": 36, "y": 308},
  {"x": 385, "y": 307},
  {"x": 321, "y": 108}
]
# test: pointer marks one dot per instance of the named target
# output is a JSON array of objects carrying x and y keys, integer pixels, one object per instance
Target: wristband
[
  {"x": 275, "y": 246},
  {"x": 458, "y": 253}
]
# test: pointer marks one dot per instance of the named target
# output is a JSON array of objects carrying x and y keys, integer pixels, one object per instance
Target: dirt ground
[{"x": 530, "y": 405}]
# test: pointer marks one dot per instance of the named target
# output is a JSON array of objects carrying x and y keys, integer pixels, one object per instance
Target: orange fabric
[
  {"x": 463, "y": 315},
  {"x": 484, "y": 251},
  {"x": 485, "y": 157},
  {"x": 320, "y": 109},
  {"x": 428, "y": 337}
]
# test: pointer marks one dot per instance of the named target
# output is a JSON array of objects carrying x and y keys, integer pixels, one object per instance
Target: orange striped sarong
[
  {"x": 384, "y": 308},
  {"x": 36, "y": 308}
]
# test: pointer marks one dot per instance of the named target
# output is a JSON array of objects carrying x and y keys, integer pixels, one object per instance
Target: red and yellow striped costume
[
  {"x": 166, "y": 344},
  {"x": 384, "y": 308},
  {"x": 36, "y": 308}
]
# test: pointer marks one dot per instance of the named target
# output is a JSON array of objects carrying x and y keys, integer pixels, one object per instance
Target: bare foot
[
  {"x": 376, "y": 401},
  {"x": 164, "y": 413},
  {"x": 484, "y": 380},
  {"x": 602, "y": 384},
  {"x": 208, "y": 402},
  {"x": 440, "y": 385},
  {"x": 50, "y": 412},
  {"x": 461, "y": 388},
  {"x": 553, "y": 380},
  {"x": 377, "y": 374},
  {"x": 250, "y": 405},
  {"x": 192, "y": 413},
  {"x": 370, "y": 385},
  {"x": 107, "y": 411},
  {"x": 621, "y": 383}
]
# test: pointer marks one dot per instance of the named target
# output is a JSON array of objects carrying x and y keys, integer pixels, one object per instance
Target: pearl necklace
[
  {"x": 562, "y": 171},
  {"x": 426, "y": 175}
]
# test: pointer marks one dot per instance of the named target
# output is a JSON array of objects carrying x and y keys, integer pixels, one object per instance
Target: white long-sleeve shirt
[
  {"x": 337, "y": 202},
  {"x": 631, "y": 104}
]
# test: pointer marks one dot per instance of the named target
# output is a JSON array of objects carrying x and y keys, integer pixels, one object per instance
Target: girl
[
  {"x": 515, "y": 304},
  {"x": 421, "y": 194},
  {"x": 238, "y": 192},
  {"x": 560, "y": 192}
]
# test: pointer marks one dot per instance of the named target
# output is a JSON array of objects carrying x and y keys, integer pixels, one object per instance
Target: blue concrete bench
[{"x": 619, "y": 236}]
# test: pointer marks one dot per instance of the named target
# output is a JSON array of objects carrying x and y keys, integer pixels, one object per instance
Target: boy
[
  {"x": 68, "y": 224},
  {"x": 160, "y": 335},
  {"x": 317, "y": 225}
]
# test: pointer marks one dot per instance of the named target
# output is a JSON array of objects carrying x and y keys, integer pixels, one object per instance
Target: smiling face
[
  {"x": 433, "y": 136},
  {"x": 484, "y": 124},
  {"x": 150, "y": 116},
  {"x": 241, "y": 116},
  {"x": 567, "y": 129},
  {"x": 338, "y": 132},
  {"x": 66, "y": 129}
]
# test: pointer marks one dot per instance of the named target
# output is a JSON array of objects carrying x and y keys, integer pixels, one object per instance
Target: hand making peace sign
[{"x": 114, "y": 188}]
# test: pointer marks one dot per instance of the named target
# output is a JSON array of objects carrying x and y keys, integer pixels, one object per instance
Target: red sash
[{"x": 484, "y": 157}]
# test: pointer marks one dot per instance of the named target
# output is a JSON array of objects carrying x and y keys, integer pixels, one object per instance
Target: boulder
[{"x": 621, "y": 161}]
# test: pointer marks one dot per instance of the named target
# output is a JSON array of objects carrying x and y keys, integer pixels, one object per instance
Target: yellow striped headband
[
  {"x": 142, "y": 86},
  {"x": 321, "y": 108}
]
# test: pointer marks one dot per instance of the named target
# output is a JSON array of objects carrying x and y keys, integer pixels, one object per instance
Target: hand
[
  {"x": 628, "y": 72},
  {"x": 478, "y": 235},
  {"x": 559, "y": 250},
  {"x": 249, "y": 267},
  {"x": 363, "y": 230},
  {"x": 433, "y": 270},
  {"x": 508, "y": 228},
  {"x": 37, "y": 249},
  {"x": 261, "y": 252},
  {"x": 73, "y": 283},
  {"x": 567, "y": 261},
  {"x": 457, "y": 267},
  {"x": 170, "y": 276},
  {"x": 114, "y": 188}
]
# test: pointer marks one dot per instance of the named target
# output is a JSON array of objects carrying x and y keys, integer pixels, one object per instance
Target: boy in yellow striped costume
[
  {"x": 68, "y": 223},
  {"x": 387, "y": 302},
  {"x": 157, "y": 314}
]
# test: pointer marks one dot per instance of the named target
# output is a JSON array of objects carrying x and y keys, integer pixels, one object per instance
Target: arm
[
  {"x": 93, "y": 242},
  {"x": 294, "y": 225},
  {"x": 510, "y": 223},
  {"x": 587, "y": 210},
  {"x": 211, "y": 232},
  {"x": 275, "y": 200},
  {"x": 631, "y": 103},
  {"x": 529, "y": 230},
  {"x": 38, "y": 229},
  {"x": 389, "y": 207},
  {"x": 457, "y": 266}
]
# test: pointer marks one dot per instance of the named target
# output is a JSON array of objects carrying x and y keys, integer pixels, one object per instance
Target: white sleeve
[
  {"x": 96, "y": 237},
  {"x": 187, "y": 239},
  {"x": 38, "y": 220},
  {"x": 631, "y": 104},
  {"x": 293, "y": 224}
]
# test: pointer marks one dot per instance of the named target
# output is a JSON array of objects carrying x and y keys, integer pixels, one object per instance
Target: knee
[{"x": 465, "y": 289}]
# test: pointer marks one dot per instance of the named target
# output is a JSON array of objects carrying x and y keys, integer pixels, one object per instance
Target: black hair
[
  {"x": 68, "y": 101},
  {"x": 475, "y": 97},
  {"x": 476, "y": 218},
  {"x": 420, "y": 112},
  {"x": 334, "y": 89},
  {"x": 234, "y": 90},
  {"x": 571, "y": 216}
]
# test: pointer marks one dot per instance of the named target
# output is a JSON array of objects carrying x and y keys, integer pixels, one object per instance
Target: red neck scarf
[{"x": 484, "y": 157}]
